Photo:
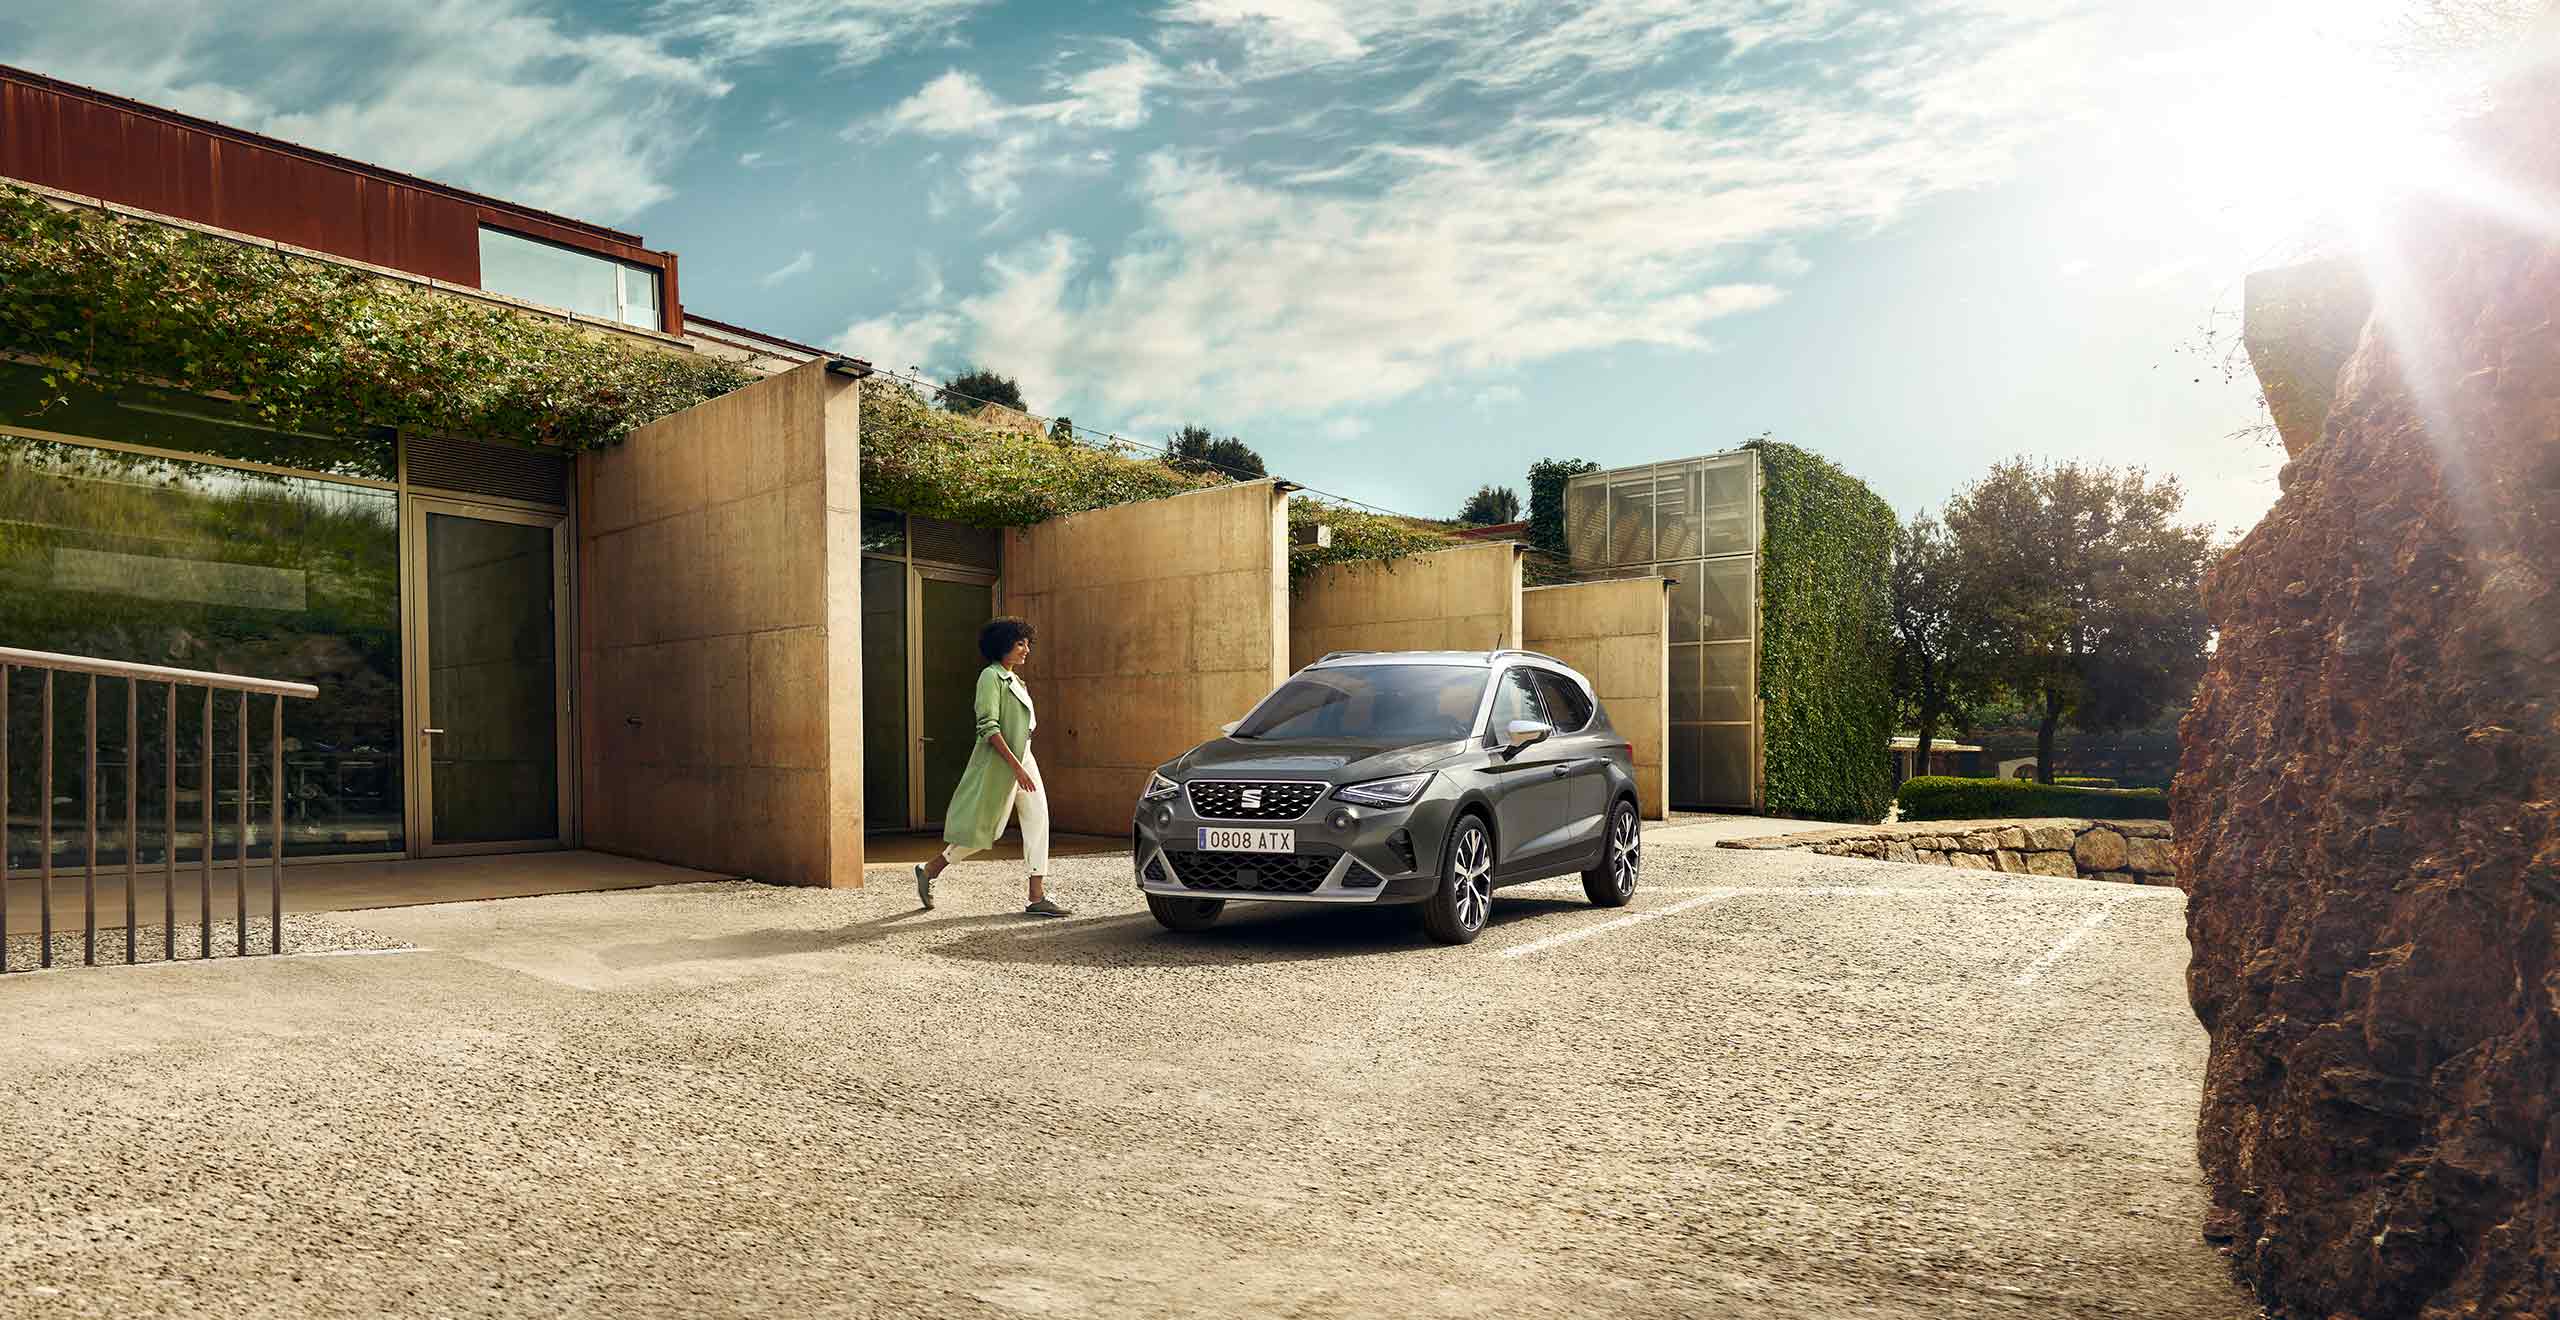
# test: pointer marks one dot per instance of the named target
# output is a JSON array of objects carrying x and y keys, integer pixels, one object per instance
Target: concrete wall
[
  {"x": 720, "y": 639},
  {"x": 1466, "y": 599},
  {"x": 1618, "y": 633},
  {"x": 1158, "y": 622}
]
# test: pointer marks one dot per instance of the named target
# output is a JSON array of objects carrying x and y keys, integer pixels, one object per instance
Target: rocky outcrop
[
  {"x": 2129, "y": 851},
  {"x": 2366, "y": 805}
]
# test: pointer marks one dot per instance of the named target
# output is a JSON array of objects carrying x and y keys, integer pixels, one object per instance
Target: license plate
[{"x": 1254, "y": 841}]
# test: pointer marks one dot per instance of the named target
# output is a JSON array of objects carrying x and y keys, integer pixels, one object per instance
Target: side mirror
[
  {"x": 1229, "y": 728},
  {"x": 1524, "y": 734}
]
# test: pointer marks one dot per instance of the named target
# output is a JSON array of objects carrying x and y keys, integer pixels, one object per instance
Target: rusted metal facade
[{"x": 87, "y": 142}]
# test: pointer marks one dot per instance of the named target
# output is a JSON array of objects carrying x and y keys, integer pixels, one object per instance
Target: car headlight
[
  {"x": 1394, "y": 792},
  {"x": 1159, "y": 788}
]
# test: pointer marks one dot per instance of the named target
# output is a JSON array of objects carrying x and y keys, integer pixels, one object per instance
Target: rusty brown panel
[{"x": 669, "y": 305}]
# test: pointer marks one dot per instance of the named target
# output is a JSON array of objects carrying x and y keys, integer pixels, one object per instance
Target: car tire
[
  {"x": 1613, "y": 882},
  {"x": 1185, "y": 914},
  {"x": 1456, "y": 911}
]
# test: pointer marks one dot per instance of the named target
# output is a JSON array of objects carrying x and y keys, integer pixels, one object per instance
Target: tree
[
  {"x": 1491, "y": 505},
  {"x": 977, "y": 387},
  {"x": 1063, "y": 430},
  {"x": 1194, "y": 449},
  {"x": 2088, "y": 591},
  {"x": 1938, "y": 659},
  {"x": 1546, "y": 500}
]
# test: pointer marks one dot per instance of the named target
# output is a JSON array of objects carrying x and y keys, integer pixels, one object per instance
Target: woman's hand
[{"x": 1022, "y": 780}]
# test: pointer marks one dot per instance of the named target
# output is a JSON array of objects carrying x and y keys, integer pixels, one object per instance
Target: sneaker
[
  {"x": 1045, "y": 908},
  {"x": 924, "y": 886}
]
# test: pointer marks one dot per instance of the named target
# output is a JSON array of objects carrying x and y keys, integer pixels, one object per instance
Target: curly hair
[{"x": 995, "y": 641}]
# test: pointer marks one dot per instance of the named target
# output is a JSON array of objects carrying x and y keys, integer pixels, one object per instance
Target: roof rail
[
  {"x": 1336, "y": 655},
  {"x": 1514, "y": 650}
]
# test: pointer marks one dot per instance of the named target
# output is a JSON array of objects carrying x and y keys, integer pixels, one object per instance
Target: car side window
[
  {"x": 1516, "y": 699},
  {"x": 1567, "y": 708}
]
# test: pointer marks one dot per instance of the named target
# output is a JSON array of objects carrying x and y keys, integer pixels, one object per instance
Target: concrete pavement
[{"x": 1780, "y": 1085}]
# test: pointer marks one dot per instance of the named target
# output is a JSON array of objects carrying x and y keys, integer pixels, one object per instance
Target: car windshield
[{"x": 1386, "y": 703}]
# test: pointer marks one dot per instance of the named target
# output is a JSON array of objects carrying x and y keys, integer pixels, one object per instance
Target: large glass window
[
  {"x": 189, "y": 423},
  {"x": 568, "y": 278},
  {"x": 167, "y": 562}
]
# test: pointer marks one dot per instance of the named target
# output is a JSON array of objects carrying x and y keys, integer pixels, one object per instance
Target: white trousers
[{"x": 1032, "y": 811}]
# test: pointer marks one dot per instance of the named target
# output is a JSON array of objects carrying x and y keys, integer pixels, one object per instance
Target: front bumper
[{"x": 1163, "y": 831}]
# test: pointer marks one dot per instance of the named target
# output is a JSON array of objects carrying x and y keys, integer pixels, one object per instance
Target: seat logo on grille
[{"x": 1253, "y": 799}]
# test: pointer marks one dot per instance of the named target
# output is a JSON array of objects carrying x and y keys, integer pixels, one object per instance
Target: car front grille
[
  {"x": 1252, "y": 873},
  {"x": 1253, "y": 799}
]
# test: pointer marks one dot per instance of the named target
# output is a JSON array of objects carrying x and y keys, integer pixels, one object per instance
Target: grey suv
[{"x": 1383, "y": 777}]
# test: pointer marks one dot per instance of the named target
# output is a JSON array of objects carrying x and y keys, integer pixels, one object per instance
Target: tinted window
[
  {"x": 1567, "y": 707},
  {"x": 566, "y": 277},
  {"x": 1518, "y": 700},
  {"x": 1397, "y": 703}
]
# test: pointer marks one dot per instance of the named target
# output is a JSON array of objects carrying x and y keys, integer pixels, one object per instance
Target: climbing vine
[
  {"x": 104, "y": 301},
  {"x": 1825, "y": 653},
  {"x": 1357, "y": 534},
  {"x": 934, "y": 462}
]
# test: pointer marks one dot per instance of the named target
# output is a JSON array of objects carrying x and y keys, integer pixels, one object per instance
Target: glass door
[
  {"x": 489, "y": 684},
  {"x": 950, "y": 608}
]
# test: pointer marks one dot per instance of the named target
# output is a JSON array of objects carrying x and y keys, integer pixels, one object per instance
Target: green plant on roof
[{"x": 103, "y": 300}]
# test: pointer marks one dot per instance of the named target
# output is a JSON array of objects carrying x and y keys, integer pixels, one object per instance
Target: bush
[
  {"x": 2083, "y": 781},
  {"x": 1939, "y": 797},
  {"x": 1826, "y": 656}
]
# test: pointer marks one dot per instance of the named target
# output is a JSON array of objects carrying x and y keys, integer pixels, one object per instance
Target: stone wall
[
  {"x": 719, "y": 635},
  {"x": 2368, "y": 812},
  {"x": 1617, "y": 634},
  {"x": 2127, "y": 851},
  {"x": 1466, "y": 599},
  {"x": 1159, "y": 621}
]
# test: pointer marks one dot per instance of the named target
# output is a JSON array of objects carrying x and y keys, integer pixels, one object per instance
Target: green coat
[{"x": 979, "y": 804}]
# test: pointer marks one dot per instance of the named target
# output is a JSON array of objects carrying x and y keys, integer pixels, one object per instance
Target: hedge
[
  {"x": 1826, "y": 674},
  {"x": 1940, "y": 797},
  {"x": 936, "y": 463},
  {"x": 2083, "y": 781}
]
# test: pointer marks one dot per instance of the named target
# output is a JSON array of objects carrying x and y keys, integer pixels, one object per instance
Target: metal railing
[{"x": 134, "y": 676}]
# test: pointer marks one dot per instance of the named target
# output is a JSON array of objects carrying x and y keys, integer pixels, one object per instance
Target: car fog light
[
  {"x": 1342, "y": 818},
  {"x": 1164, "y": 818}
]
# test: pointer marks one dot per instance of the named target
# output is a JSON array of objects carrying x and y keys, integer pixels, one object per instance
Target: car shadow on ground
[{"x": 1246, "y": 933}]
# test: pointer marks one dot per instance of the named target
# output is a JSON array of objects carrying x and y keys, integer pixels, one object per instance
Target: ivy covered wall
[{"x": 1825, "y": 640}]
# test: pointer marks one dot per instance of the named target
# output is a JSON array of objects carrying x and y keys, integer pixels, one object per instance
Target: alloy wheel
[
  {"x": 1626, "y": 851},
  {"x": 1474, "y": 867}
]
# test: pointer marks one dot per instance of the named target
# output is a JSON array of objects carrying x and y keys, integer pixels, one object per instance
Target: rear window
[
  {"x": 1388, "y": 703},
  {"x": 1567, "y": 708}
]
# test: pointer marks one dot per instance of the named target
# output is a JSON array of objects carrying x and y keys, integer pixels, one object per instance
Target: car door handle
[{"x": 1563, "y": 770}]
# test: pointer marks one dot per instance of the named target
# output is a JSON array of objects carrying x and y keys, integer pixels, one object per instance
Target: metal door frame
[
  {"x": 417, "y": 706},
  {"x": 917, "y": 573}
]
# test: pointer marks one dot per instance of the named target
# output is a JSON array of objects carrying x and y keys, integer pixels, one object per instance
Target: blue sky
[{"x": 1402, "y": 247}]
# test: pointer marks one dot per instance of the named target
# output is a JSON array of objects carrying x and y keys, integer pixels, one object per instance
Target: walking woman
[{"x": 1002, "y": 780}]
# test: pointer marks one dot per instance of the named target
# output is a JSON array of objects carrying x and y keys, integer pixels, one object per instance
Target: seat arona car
[{"x": 1397, "y": 777}]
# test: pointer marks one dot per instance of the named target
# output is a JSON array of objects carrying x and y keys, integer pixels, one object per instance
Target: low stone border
[{"x": 2129, "y": 851}]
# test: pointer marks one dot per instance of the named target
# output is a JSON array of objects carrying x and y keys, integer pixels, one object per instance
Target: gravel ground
[
  {"x": 1791, "y": 1086},
  {"x": 302, "y": 934}
]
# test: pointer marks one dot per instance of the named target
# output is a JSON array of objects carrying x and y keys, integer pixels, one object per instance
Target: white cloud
[
  {"x": 1422, "y": 251},
  {"x": 750, "y": 159},
  {"x": 797, "y": 266},
  {"x": 1020, "y": 137},
  {"x": 858, "y": 31},
  {"x": 1346, "y": 428},
  {"x": 1495, "y": 397}
]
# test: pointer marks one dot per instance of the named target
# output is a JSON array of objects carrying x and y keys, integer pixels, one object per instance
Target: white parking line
[
  {"x": 1716, "y": 893},
  {"x": 2081, "y": 932},
  {"x": 1621, "y": 923}
]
